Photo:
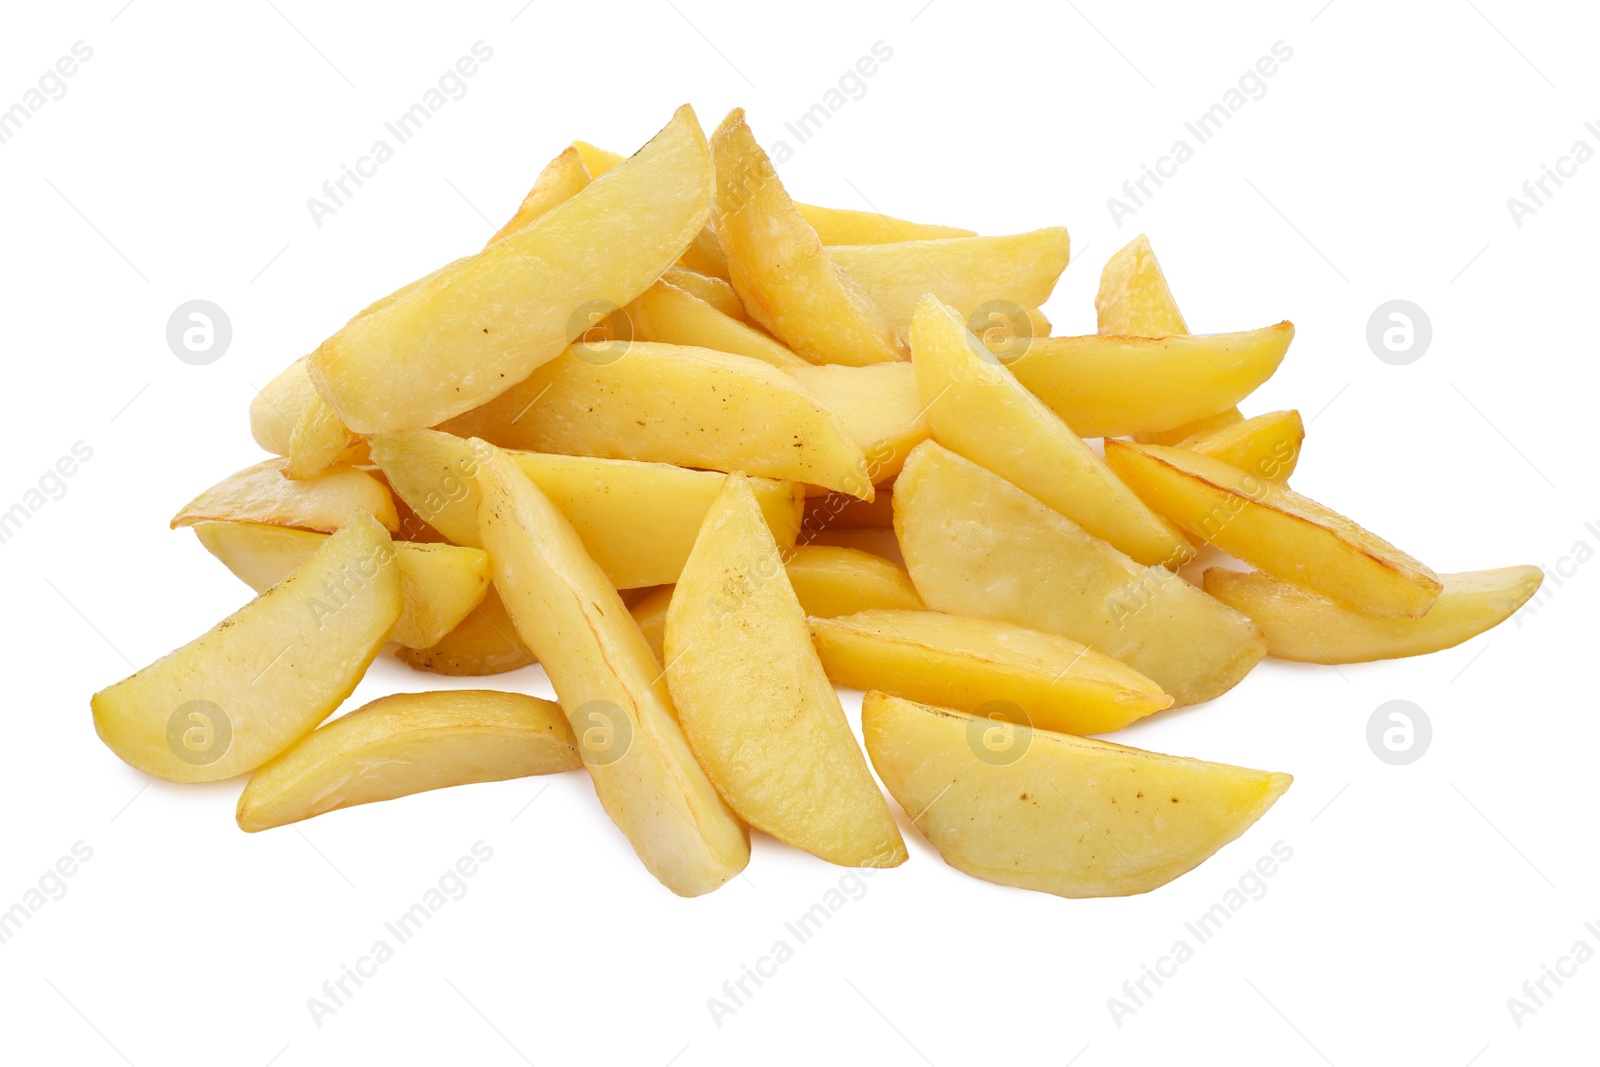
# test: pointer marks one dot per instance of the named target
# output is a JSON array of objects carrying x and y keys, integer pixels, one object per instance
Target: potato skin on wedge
[
  {"x": 1055, "y": 813},
  {"x": 608, "y": 683},
  {"x": 1290, "y": 536},
  {"x": 1301, "y": 625},
  {"x": 977, "y": 545},
  {"x": 754, "y": 702},
  {"x": 485, "y": 642},
  {"x": 252, "y": 685},
  {"x": 409, "y": 743},
  {"x": 265, "y": 493},
  {"x": 975, "y": 665},
  {"x": 778, "y": 266}
]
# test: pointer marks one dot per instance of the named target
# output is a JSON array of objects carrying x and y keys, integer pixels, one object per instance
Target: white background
[{"x": 1377, "y": 166}]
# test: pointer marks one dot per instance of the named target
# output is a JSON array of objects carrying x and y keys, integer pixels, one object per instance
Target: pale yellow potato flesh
[
  {"x": 977, "y": 545},
  {"x": 1055, "y": 813},
  {"x": 715, "y": 291},
  {"x": 692, "y": 407},
  {"x": 409, "y": 743},
  {"x": 1303, "y": 626},
  {"x": 1266, "y": 445},
  {"x": 1014, "y": 271},
  {"x": 1117, "y": 386},
  {"x": 843, "y": 226},
  {"x": 879, "y": 405},
  {"x": 754, "y": 702},
  {"x": 248, "y": 688},
  {"x": 485, "y": 323},
  {"x": 978, "y": 409},
  {"x": 1134, "y": 299},
  {"x": 778, "y": 265},
  {"x": 1272, "y": 527},
  {"x": 563, "y": 178},
  {"x": 675, "y": 316},
  {"x": 278, "y": 405},
  {"x": 485, "y": 642},
  {"x": 831, "y": 581},
  {"x": 319, "y": 440},
  {"x": 264, "y": 493},
  {"x": 637, "y": 520},
  {"x": 439, "y": 584},
  {"x": 986, "y": 667},
  {"x": 704, "y": 254},
  {"x": 609, "y": 684}
]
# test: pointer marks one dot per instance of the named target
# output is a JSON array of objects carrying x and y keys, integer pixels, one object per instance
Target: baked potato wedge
[
  {"x": 1073, "y": 816},
  {"x": 254, "y": 684},
  {"x": 969, "y": 395},
  {"x": 1301, "y": 625},
  {"x": 843, "y": 226},
  {"x": 485, "y": 642},
  {"x": 974, "y": 544},
  {"x": 878, "y": 404},
  {"x": 1116, "y": 386},
  {"x": 674, "y": 316},
  {"x": 408, "y": 743},
  {"x": 483, "y": 324},
  {"x": 1277, "y": 530},
  {"x": 754, "y": 702},
  {"x": 609, "y": 684},
  {"x": 979, "y": 665},
  {"x": 1266, "y": 445},
  {"x": 965, "y": 272},
  {"x": 830, "y": 581},
  {"x": 778, "y": 266},
  {"x": 692, "y": 407}
]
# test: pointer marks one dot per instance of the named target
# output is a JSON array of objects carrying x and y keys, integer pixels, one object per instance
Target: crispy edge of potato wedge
[
  {"x": 1290, "y": 536},
  {"x": 264, "y": 493}
]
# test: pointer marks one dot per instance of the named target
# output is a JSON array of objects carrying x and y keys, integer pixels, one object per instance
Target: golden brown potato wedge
[
  {"x": 651, "y": 615},
  {"x": 977, "y": 409},
  {"x": 1067, "y": 815},
  {"x": 1289, "y": 536},
  {"x": 485, "y": 642},
  {"x": 880, "y": 407},
  {"x": 1018, "y": 270},
  {"x": 842, "y": 226},
  {"x": 1134, "y": 299},
  {"x": 778, "y": 265},
  {"x": 1266, "y": 445},
  {"x": 984, "y": 667},
  {"x": 408, "y": 743},
  {"x": 483, "y": 324},
  {"x": 248, "y": 688},
  {"x": 264, "y": 493},
  {"x": 609, "y": 684},
  {"x": 674, "y": 316},
  {"x": 687, "y": 406},
  {"x": 881, "y": 543},
  {"x": 563, "y": 178},
  {"x": 439, "y": 584},
  {"x": 977, "y": 545},
  {"x": 754, "y": 702},
  {"x": 1116, "y": 386},
  {"x": 637, "y": 520},
  {"x": 1303, "y": 626},
  {"x": 831, "y": 581}
]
